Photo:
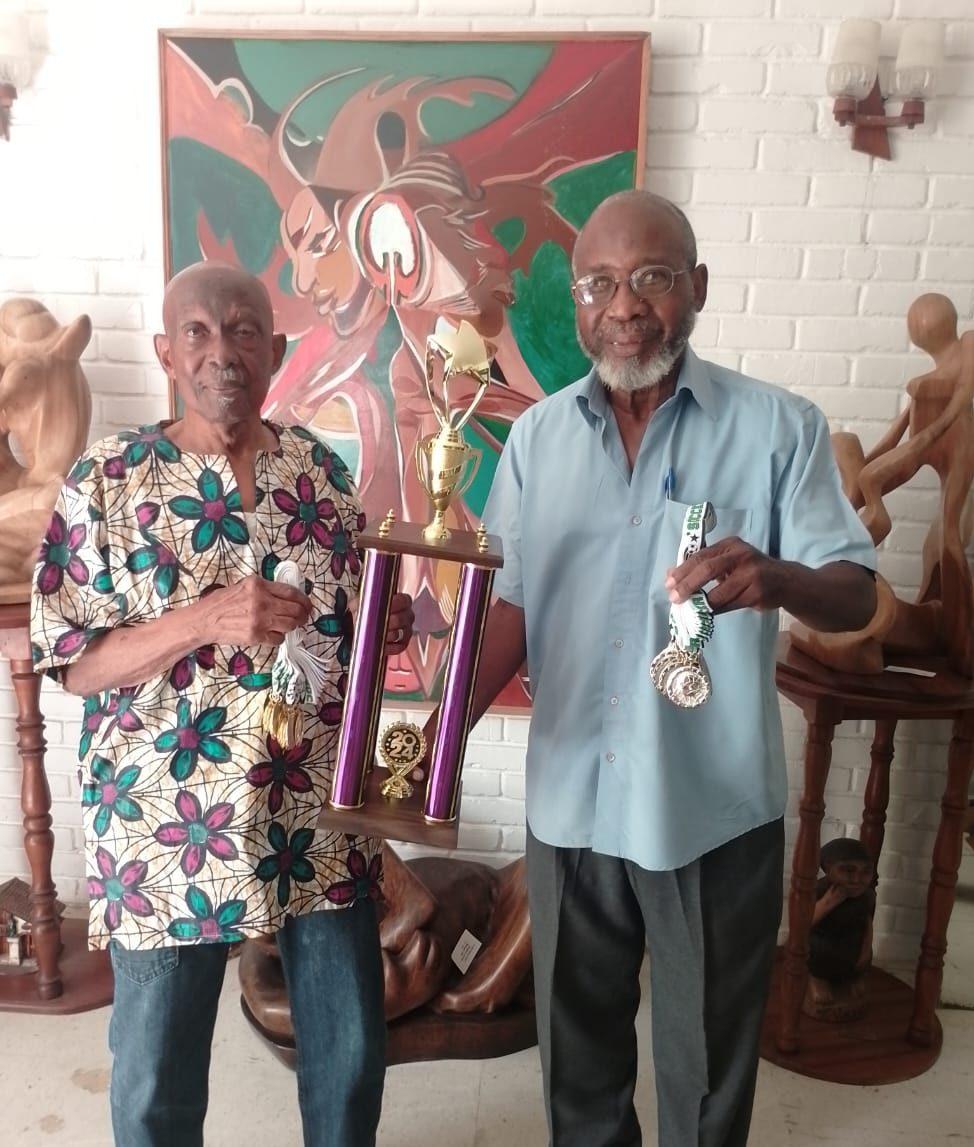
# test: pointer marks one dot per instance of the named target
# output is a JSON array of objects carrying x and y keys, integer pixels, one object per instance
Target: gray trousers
[{"x": 711, "y": 929}]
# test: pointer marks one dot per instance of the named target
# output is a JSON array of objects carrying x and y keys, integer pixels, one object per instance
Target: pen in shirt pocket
[{"x": 668, "y": 483}]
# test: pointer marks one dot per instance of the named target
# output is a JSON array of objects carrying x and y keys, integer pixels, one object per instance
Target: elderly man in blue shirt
[{"x": 647, "y": 822}]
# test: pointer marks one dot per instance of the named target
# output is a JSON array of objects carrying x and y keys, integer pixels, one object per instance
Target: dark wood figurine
[
  {"x": 435, "y": 1010},
  {"x": 840, "y": 942}
]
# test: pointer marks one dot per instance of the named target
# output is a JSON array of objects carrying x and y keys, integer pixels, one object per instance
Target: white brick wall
[{"x": 815, "y": 253}]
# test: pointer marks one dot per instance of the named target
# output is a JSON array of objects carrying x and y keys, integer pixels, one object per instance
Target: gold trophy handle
[
  {"x": 441, "y": 411},
  {"x": 468, "y": 413}
]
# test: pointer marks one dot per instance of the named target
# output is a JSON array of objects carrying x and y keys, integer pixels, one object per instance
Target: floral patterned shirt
[{"x": 198, "y": 825}]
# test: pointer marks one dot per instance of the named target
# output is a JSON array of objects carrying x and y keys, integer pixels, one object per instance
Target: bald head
[
  {"x": 219, "y": 346},
  {"x": 208, "y": 282},
  {"x": 641, "y": 208}
]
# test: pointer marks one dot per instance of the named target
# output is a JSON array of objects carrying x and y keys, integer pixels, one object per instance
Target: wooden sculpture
[
  {"x": 434, "y": 1010},
  {"x": 840, "y": 941},
  {"x": 939, "y": 428},
  {"x": 45, "y": 407}
]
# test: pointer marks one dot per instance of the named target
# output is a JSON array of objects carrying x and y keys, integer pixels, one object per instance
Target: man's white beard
[{"x": 629, "y": 374}]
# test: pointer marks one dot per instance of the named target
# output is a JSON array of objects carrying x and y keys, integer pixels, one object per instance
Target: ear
[
  {"x": 700, "y": 277},
  {"x": 163, "y": 353},
  {"x": 278, "y": 350}
]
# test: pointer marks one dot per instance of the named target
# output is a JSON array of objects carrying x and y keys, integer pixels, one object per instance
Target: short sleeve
[
  {"x": 813, "y": 521},
  {"x": 74, "y": 598},
  {"x": 502, "y": 516},
  {"x": 341, "y": 489}
]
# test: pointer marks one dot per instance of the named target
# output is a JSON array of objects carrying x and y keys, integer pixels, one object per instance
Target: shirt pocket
[{"x": 730, "y": 522}]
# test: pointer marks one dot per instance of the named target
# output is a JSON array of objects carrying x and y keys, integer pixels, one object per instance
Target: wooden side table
[
  {"x": 69, "y": 978},
  {"x": 900, "y": 1035}
]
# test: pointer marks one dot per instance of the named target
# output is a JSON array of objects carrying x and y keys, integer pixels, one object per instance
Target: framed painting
[{"x": 377, "y": 183}]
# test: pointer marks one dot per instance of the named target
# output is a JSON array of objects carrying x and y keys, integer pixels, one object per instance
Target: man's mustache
[{"x": 229, "y": 376}]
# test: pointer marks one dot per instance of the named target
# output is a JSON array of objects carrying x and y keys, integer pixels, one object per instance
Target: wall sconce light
[
  {"x": 853, "y": 79},
  {"x": 14, "y": 64}
]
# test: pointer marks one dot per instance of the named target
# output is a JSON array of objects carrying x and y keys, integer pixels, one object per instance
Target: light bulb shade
[
  {"x": 919, "y": 59},
  {"x": 855, "y": 60},
  {"x": 14, "y": 50},
  {"x": 854, "y": 80}
]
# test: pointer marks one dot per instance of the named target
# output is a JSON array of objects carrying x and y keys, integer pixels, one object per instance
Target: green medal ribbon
[{"x": 679, "y": 671}]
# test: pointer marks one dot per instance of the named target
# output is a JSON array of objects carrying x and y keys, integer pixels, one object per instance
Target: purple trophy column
[
  {"x": 356, "y": 744},
  {"x": 443, "y": 787}
]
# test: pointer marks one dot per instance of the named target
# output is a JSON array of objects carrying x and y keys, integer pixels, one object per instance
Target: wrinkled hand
[
  {"x": 746, "y": 578},
  {"x": 254, "y": 611},
  {"x": 399, "y": 631}
]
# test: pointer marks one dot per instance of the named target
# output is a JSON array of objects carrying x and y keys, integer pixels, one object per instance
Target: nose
[
  {"x": 625, "y": 304},
  {"x": 223, "y": 351}
]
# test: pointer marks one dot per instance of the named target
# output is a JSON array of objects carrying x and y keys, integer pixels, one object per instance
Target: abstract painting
[{"x": 375, "y": 184}]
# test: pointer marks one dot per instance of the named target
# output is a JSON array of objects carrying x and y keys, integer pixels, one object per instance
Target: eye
[
  {"x": 594, "y": 288},
  {"x": 247, "y": 332},
  {"x": 194, "y": 330},
  {"x": 653, "y": 278}
]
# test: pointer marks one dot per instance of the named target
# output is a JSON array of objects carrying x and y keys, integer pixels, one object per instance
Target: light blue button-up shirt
[{"x": 612, "y": 765}]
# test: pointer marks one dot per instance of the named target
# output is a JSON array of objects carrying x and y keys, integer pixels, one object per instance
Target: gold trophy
[
  {"x": 402, "y": 746},
  {"x": 445, "y": 463}
]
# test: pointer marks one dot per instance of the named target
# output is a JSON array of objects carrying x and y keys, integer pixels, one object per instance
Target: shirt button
[
  {"x": 610, "y": 757},
  {"x": 618, "y": 643},
  {"x": 637, "y": 520},
  {"x": 613, "y": 700}
]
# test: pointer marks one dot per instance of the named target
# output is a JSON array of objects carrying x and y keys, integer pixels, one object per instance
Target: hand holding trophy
[{"x": 446, "y": 465}]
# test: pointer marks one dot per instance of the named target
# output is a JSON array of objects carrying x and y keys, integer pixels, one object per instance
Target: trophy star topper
[{"x": 462, "y": 350}]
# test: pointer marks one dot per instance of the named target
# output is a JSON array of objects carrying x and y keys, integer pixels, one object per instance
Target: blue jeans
[{"x": 165, "y": 1010}]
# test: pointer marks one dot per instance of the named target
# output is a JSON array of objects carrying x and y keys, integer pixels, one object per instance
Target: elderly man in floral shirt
[{"x": 154, "y": 601}]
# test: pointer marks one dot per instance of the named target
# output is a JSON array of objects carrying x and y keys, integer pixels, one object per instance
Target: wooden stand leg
[
  {"x": 876, "y": 800},
  {"x": 943, "y": 881},
  {"x": 35, "y": 800},
  {"x": 822, "y": 718}
]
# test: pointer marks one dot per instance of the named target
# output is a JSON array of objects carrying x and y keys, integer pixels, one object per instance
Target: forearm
[
  {"x": 839, "y": 597},
  {"x": 502, "y": 654},
  {"x": 134, "y": 654}
]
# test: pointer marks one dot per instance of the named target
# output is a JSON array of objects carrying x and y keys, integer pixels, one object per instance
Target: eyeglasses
[{"x": 644, "y": 282}]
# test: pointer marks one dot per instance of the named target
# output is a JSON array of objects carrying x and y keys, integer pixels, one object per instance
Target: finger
[
  {"x": 284, "y": 592},
  {"x": 401, "y": 602},
  {"x": 401, "y": 621},
  {"x": 734, "y": 592},
  {"x": 696, "y": 572}
]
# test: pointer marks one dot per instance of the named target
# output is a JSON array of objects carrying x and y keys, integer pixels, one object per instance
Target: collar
[{"x": 694, "y": 378}]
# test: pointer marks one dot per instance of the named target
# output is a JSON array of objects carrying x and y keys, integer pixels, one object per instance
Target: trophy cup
[{"x": 446, "y": 465}]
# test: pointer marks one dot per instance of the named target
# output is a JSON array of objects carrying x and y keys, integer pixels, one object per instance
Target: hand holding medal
[{"x": 680, "y": 672}]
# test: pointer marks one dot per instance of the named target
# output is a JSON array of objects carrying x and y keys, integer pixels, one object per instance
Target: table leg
[
  {"x": 822, "y": 720},
  {"x": 877, "y": 791},
  {"x": 943, "y": 881},
  {"x": 35, "y": 800}
]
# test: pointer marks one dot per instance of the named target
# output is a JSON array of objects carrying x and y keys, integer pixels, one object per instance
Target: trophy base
[{"x": 391, "y": 820}]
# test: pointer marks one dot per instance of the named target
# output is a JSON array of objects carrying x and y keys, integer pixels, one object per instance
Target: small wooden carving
[
  {"x": 45, "y": 407},
  {"x": 939, "y": 429},
  {"x": 434, "y": 1010},
  {"x": 840, "y": 942}
]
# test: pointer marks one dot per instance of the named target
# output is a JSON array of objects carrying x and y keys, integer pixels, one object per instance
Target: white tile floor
[{"x": 54, "y": 1076}]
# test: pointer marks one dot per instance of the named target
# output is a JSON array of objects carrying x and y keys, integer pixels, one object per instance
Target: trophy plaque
[{"x": 361, "y": 800}]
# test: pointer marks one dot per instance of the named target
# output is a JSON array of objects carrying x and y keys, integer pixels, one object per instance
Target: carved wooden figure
[
  {"x": 939, "y": 429},
  {"x": 434, "y": 1010},
  {"x": 840, "y": 940},
  {"x": 45, "y": 407}
]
